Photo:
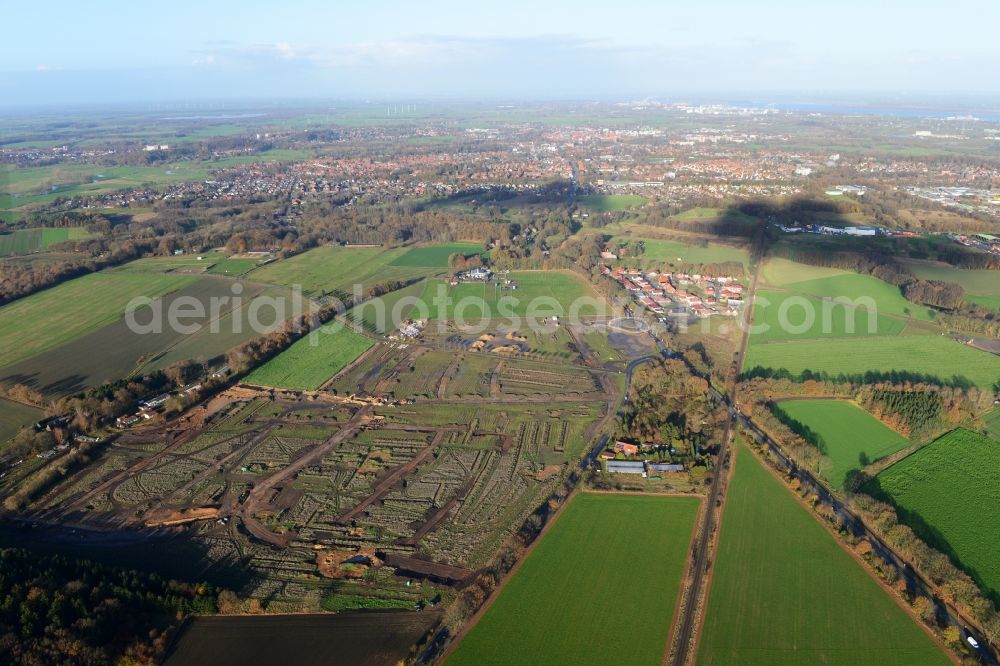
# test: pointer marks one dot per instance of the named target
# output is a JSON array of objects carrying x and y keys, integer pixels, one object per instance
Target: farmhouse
[
  {"x": 480, "y": 274},
  {"x": 126, "y": 421},
  {"x": 626, "y": 448}
]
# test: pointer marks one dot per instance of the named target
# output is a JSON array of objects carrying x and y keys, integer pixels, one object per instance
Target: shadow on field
[
  {"x": 72, "y": 383},
  {"x": 869, "y": 377},
  {"x": 927, "y": 533},
  {"x": 168, "y": 554},
  {"x": 875, "y": 256}
]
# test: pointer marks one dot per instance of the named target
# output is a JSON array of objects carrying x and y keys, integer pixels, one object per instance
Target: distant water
[
  {"x": 939, "y": 112},
  {"x": 216, "y": 116}
]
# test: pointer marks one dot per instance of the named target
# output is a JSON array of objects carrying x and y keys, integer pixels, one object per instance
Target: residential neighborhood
[{"x": 680, "y": 293}]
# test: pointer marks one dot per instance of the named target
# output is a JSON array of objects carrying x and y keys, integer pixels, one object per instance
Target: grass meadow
[
  {"x": 659, "y": 253},
  {"x": 785, "y": 592},
  {"x": 902, "y": 339},
  {"x": 849, "y": 437},
  {"x": 27, "y": 241},
  {"x": 600, "y": 587},
  {"x": 396, "y": 306},
  {"x": 993, "y": 423},
  {"x": 180, "y": 263},
  {"x": 991, "y": 302},
  {"x": 782, "y": 315},
  {"x": 55, "y": 316},
  {"x": 311, "y": 360},
  {"x": 977, "y": 282},
  {"x": 834, "y": 283},
  {"x": 13, "y": 417},
  {"x": 611, "y": 203},
  {"x": 233, "y": 266},
  {"x": 32, "y": 185},
  {"x": 948, "y": 493},
  {"x": 332, "y": 269},
  {"x": 934, "y": 358},
  {"x": 114, "y": 350},
  {"x": 435, "y": 256},
  {"x": 778, "y": 272},
  {"x": 887, "y": 298},
  {"x": 545, "y": 293}
]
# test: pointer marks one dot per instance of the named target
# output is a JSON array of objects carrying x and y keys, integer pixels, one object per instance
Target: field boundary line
[
  {"x": 474, "y": 620},
  {"x": 668, "y": 648},
  {"x": 643, "y": 493},
  {"x": 350, "y": 366},
  {"x": 702, "y": 601},
  {"x": 7, "y": 398}
]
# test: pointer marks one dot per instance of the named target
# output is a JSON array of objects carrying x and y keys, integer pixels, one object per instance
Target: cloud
[
  {"x": 229, "y": 54},
  {"x": 546, "y": 65},
  {"x": 284, "y": 50},
  {"x": 414, "y": 51}
]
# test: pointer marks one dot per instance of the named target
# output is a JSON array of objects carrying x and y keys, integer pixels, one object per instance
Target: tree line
[{"x": 56, "y": 609}]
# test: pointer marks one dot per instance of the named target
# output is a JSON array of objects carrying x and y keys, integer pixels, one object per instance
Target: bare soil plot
[{"x": 362, "y": 638}]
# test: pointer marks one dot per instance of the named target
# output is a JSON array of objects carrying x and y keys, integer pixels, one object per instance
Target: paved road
[{"x": 689, "y": 621}]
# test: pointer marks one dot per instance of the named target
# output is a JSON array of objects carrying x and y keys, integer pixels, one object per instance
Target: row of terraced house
[{"x": 700, "y": 295}]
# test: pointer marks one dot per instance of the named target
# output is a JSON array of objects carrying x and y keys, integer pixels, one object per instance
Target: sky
[{"x": 79, "y": 53}]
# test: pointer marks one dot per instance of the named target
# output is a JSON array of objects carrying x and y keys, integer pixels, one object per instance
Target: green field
[
  {"x": 979, "y": 283},
  {"x": 887, "y": 298},
  {"x": 180, "y": 263},
  {"x": 709, "y": 215},
  {"x": 948, "y": 493},
  {"x": 600, "y": 588},
  {"x": 332, "y": 269},
  {"x": 777, "y": 272},
  {"x": 849, "y": 437},
  {"x": 661, "y": 253},
  {"x": 275, "y": 155},
  {"x": 782, "y": 315},
  {"x": 991, "y": 302},
  {"x": 785, "y": 592},
  {"x": 435, "y": 256},
  {"x": 32, "y": 185},
  {"x": 384, "y": 314},
  {"x": 932, "y": 357},
  {"x": 13, "y": 417},
  {"x": 311, "y": 360},
  {"x": 538, "y": 293},
  {"x": 55, "y": 316},
  {"x": 233, "y": 266},
  {"x": 839, "y": 284},
  {"x": 609, "y": 203},
  {"x": 699, "y": 214},
  {"x": 26, "y": 241},
  {"x": 113, "y": 350},
  {"x": 993, "y": 423}
]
